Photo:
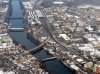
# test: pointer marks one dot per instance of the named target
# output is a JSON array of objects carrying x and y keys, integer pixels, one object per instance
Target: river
[
  {"x": 90, "y": 2},
  {"x": 53, "y": 66}
]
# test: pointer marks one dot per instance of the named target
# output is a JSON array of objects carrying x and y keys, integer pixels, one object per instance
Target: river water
[
  {"x": 90, "y": 2},
  {"x": 53, "y": 66}
]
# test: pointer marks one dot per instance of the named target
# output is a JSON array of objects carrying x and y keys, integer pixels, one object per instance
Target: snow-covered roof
[
  {"x": 74, "y": 67},
  {"x": 89, "y": 28},
  {"x": 58, "y": 2},
  {"x": 38, "y": 12},
  {"x": 64, "y": 36},
  {"x": 79, "y": 60},
  {"x": 91, "y": 39}
]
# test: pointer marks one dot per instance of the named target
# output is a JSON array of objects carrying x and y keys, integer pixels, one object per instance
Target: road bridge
[
  {"x": 48, "y": 59},
  {"x": 16, "y": 29},
  {"x": 38, "y": 47},
  {"x": 19, "y": 17}
]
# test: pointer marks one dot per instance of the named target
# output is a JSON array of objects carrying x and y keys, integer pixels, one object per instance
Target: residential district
[{"x": 68, "y": 32}]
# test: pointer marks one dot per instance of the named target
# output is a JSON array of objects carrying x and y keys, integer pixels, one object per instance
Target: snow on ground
[{"x": 1, "y": 72}]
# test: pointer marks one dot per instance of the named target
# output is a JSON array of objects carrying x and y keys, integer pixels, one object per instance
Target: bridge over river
[
  {"x": 18, "y": 17},
  {"x": 16, "y": 29}
]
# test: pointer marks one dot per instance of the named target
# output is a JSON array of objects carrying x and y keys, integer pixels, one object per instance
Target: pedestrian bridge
[{"x": 16, "y": 29}]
